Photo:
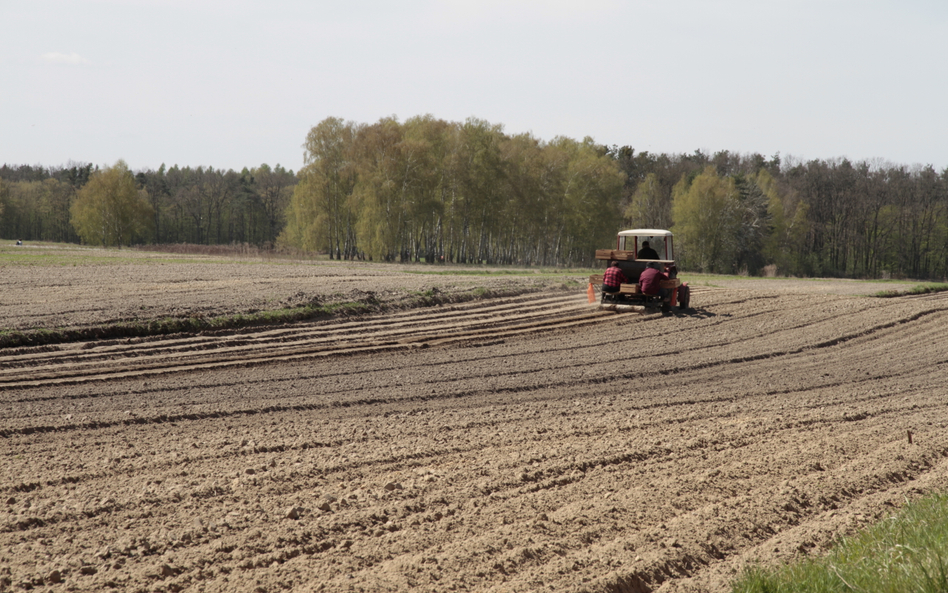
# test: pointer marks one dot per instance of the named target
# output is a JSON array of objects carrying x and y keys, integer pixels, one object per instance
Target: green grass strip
[
  {"x": 176, "y": 325},
  {"x": 496, "y": 271},
  {"x": 194, "y": 325},
  {"x": 919, "y": 289},
  {"x": 904, "y": 553}
]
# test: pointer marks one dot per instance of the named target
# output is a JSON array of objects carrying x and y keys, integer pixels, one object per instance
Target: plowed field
[{"x": 524, "y": 443}]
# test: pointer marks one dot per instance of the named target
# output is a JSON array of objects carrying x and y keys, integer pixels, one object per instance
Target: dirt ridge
[{"x": 629, "y": 453}]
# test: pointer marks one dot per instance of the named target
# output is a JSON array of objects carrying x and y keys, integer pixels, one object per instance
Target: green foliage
[
  {"x": 465, "y": 192},
  {"x": 755, "y": 223},
  {"x": 173, "y": 325},
  {"x": 915, "y": 290},
  {"x": 273, "y": 188},
  {"x": 36, "y": 209},
  {"x": 4, "y": 197},
  {"x": 319, "y": 216},
  {"x": 381, "y": 198},
  {"x": 789, "y": 226},
  {"x": 650, "y": 205},
  {"x": 430, "y": 190},
  {"x": 906, "y": 552},
  {"x": 590, "y": 187},
  {"x": 110, "y": 211},
  {"x": 707, "y": 219}
]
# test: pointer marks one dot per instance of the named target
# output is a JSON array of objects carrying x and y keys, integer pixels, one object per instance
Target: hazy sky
[{"x": 238, "y": 83}]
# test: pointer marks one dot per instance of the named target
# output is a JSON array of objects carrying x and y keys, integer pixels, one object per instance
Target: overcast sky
[{"x": 237, "y": 83}]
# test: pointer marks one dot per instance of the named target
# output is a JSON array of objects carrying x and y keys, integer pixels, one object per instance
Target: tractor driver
[
  {"x": 613, "y": 278},
  {"x": 646, "y": 252}
]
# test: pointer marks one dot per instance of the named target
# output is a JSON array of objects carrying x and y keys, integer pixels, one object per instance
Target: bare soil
[
  {"x": 128, "y": 286},
  {"x": 521, "y": 443}
]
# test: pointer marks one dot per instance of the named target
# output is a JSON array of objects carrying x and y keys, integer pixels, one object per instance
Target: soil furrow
[
  {"x": 71, "y": 372},
  {"x": 525, "y": 449}
]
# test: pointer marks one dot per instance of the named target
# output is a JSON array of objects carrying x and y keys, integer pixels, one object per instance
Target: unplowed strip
[{"x": 378, "y": 333}]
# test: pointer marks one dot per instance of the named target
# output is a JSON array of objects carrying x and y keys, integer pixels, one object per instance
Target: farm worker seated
[
  {"x": 649, "y": 283},
  {"x": 646, "y": 252},
  {"x": 613, "y": 278}
]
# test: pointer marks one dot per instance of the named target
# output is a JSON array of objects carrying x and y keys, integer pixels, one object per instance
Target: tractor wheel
[{"x": 684, "y": 297}]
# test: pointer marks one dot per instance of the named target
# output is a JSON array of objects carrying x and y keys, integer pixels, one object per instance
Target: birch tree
[
  {"x": 109, "y": 210},
  {"x": 707, "y": 219}
]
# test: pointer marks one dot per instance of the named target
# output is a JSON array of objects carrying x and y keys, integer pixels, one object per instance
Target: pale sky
[{"x": 235, "y": 83}]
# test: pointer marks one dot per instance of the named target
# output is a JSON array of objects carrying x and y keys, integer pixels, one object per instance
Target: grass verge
[
  {"x": 194, "y": 325},
  {"x": 919, "y": 289},
  {"x": 177, "y": 325},
  {"x": 498, "y": 271},
  {"x": 906, "y": 552}
]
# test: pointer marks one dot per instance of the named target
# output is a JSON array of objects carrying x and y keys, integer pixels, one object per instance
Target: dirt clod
[{"x": 293, "y": 513}]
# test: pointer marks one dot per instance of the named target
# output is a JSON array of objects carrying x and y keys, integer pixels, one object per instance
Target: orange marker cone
[{"x": 591, "y": 293}]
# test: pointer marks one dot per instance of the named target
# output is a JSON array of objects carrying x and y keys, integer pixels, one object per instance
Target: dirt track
[{"x": 517, "y": 444}]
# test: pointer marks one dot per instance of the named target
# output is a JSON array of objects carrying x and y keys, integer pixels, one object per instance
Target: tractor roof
[{"x": 645, "y": 233}]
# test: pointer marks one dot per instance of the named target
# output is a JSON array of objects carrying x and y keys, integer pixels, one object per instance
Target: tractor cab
[
  {"x": 636, "y": 248},
  {"x": 637, "y": 240}
]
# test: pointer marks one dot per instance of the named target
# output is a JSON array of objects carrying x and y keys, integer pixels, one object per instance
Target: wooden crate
[{"x": 615, "y": 254}]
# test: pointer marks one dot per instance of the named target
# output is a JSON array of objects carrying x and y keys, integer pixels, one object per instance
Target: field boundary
[{"x": 366, "y": 304}]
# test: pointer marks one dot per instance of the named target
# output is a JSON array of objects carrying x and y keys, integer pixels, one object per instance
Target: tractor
[{"x": 637, "y": 249}]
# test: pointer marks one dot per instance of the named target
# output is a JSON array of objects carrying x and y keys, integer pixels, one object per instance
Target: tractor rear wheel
[{"x": 684, "y": 297}]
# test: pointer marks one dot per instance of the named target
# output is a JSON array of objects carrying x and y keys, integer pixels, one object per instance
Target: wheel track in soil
[
  {"x": 279, "y": 336},
  {"x": 92, "y": 361},
  {"x": 804, "y": 342},
  {"x": 375, "y": 443},
  {"x": 483, "y": 321},
  {"x": 424, "y": 400},
  {"x": 686, "y": 368},
  {"x": 417, "y": 328},
  {"x": 933, "y": 329}
]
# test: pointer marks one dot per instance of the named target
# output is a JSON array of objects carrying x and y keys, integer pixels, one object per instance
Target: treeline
[
  {"x": 432, "y": 190},
  {"x": 200, "y": 205},
  {"x": 832, "y": 218},
  {"x": 35, "y": 201}
]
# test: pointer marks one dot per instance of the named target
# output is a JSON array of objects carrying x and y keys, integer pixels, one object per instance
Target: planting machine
[{"x": 637, "y": 249}]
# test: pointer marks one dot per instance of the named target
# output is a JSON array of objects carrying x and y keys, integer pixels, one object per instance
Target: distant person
[
  {"x": 650, "y": 283},
  {"x": 646, "y": 252},
  {"x": 613, "y": 278},
  {"x": 19, "y": 242}
]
